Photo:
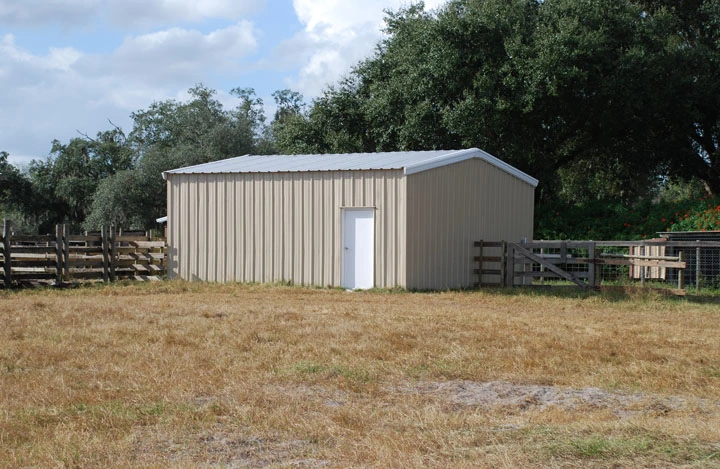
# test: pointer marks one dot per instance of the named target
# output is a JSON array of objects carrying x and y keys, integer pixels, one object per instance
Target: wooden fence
[
  {"x": 106, "y": 255},
  {"x": 587, "y": 264}
]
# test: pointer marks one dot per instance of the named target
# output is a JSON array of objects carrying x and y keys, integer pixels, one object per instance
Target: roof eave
[
  {"x": 462, "y": 155},
  {"x": 180, "y": 170}
]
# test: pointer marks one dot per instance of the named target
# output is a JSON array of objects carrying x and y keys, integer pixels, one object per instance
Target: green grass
[{"x": 637, "y": 447}]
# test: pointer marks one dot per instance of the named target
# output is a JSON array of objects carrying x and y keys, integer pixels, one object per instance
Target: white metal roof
[{"x": 409, "y": 161}]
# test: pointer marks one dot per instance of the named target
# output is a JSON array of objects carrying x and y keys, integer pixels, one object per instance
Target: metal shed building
[{"x": 395, "y": 219}]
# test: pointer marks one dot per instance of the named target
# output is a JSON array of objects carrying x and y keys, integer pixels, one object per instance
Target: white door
[{"x": 358, "y": 236}]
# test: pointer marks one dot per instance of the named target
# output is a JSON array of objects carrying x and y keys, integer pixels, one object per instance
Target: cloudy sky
[{"x": 73, "y": 65}]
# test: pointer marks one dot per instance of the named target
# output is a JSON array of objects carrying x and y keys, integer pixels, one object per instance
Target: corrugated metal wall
[
  {"x": 452, "y": 206},
  {"x": 271, "y": 227}
]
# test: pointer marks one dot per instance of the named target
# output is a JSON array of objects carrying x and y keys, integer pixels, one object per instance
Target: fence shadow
[
  {"x": 704, "y": 299},
  {"x": 607, "y": 293}
]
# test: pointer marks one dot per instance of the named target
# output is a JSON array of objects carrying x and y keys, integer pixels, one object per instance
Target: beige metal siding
[
  {"x": 452, "y": 206},
  {"x": 270, "y": 227}
]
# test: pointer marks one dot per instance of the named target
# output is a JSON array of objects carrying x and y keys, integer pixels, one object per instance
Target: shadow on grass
[
  {"x": 566, "y": 291},
  {"x": 711, "y": 299},
  {"x": 611, "y": 293}
]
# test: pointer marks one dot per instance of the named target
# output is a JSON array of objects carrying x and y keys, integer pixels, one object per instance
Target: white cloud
[
  {"x": 57, "y": 59},
  {"x": 144, "y": 12},
  {"x": 180, "y": 54},
  {"x": 40, "y": 12},
  {"x": 55, "y": 93},
  {"x": 337, "y": 35},
  {"x": 339, "y": 16},
  {"x": 332, "y": 17},
  {"x": 45, "y": 98},
  {"x": 22, "y": 70},
  {"x": 158, "y": 60},
  {"x": 124, "y": 13}
]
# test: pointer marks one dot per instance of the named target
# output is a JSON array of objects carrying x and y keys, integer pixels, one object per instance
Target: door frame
[{"x": 343, "y": 211}]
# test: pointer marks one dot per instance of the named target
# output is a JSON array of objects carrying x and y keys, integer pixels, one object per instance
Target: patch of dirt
[
  {"x": 225, "y": 448},
  {"x": 226, "y": 445},
  {"x": 500, "y": 394},
  {"x": 233, "y": 451}
]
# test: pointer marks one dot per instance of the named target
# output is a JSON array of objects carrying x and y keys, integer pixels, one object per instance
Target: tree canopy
[{"x": 596, "y": 98}]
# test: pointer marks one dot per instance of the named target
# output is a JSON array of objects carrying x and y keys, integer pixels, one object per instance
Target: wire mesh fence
[{"x": 703, "y": 266}]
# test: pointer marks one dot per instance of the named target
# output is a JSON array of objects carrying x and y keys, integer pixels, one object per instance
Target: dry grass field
[{"x": 189, "y": 375}]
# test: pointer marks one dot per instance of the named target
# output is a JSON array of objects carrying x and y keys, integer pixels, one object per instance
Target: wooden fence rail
[
  {"x": 585, "y": 263},
  {"x": 106, "y": 256}
]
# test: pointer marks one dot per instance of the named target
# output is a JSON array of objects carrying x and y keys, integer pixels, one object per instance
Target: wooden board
[
  {"x": 33, "y": 250},
  {"x": 37, "y": 263},
  {"x": 488, "y": 244},
  {"x": 487, "y": 259},
  {"x": 549, "y": 274},
  {"x": 149, "y": 244},
  {"x": 487, "y": 272},
  {"x": 645, "y": 263}
]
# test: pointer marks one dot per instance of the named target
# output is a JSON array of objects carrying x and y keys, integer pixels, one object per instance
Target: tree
[
  {"x": 289, "y": 103},
  {"x": 15, "y": 195},
  {"x": 200, "y": 124},
  {"x": 599, "y": 99},
  {"x": 117, "y": 201},
  {"x": 335, "y": 124},
  {"x": 171, "y": 134},
  {"x": 63, "y": 184},
  {"x": 14, "y": 186}
]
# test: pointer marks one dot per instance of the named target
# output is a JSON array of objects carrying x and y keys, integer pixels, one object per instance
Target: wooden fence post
[
  {"x": 681, "y": 273},
  {"x": 643, "y": 269},
  {"x": 510, "y": 268},
  {"x": 503, "y": 264},
  {"x": 113, "y": 253},
  {"x": 105, "y": 254},
  {"x": 480, "y": 264},
  {"x": 66, "y": 252},
  {"x": 527, "y": 267},
  {"x": 7, "y": 265},
  {"x": 58, "y": 254},
  {"x": 592, "y": 270}
]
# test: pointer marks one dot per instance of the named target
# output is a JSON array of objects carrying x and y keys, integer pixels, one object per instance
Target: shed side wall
[
  {"x": 451, "y": 207},
  {"x": 272, "y": 227}
]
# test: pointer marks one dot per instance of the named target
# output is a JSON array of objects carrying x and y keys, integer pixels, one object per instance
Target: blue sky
[{"x": 72, "y": 65}]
